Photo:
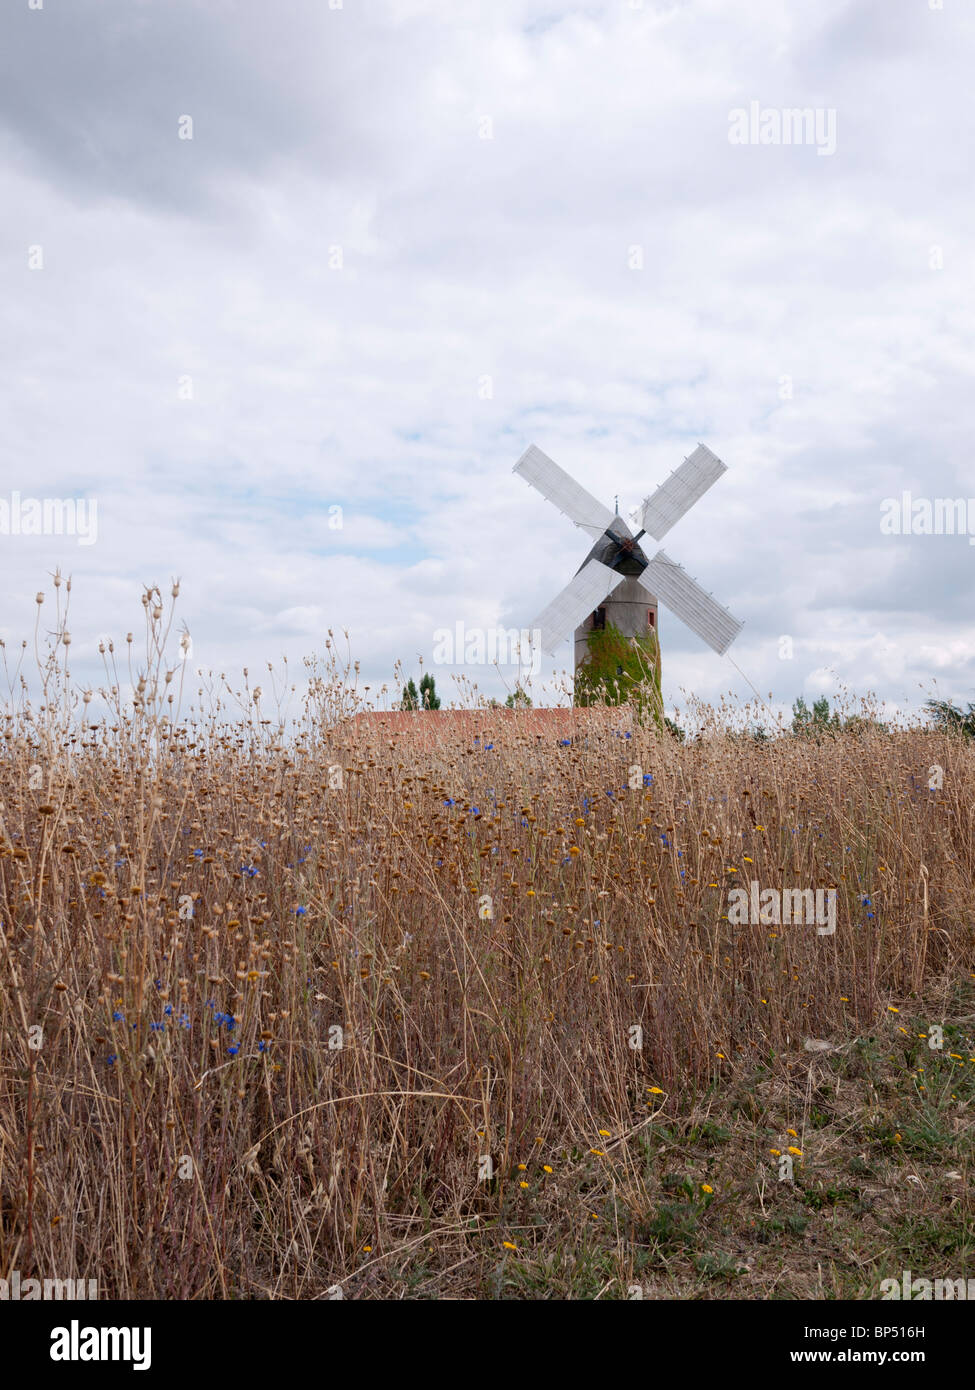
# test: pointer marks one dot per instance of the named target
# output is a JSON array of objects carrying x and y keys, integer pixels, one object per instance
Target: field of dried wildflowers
[{"x": 294, "y": 1007}]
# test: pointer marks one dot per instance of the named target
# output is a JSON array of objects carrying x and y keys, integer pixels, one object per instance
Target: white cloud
[{"x": 466, "y": 259}]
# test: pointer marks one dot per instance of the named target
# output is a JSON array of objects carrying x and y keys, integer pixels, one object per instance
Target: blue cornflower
[
  {"x": 565, "y": 742},
  {"x": 168, "y": 1010},
  {"x": 111, "y": 1059},
  {"x": 262, "y": 1046},
  {"x": 301, "y": 911},
  {"x": 234, "y": 1050},
  {"x": 157, "y": 1027},
  {"x": 118, "y": 1017}
]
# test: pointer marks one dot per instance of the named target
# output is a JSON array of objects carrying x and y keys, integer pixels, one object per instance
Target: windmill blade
[
  {"x": 686, "y": 599},
  {"x": 564, "y": 492},
  {"x": 580, "y": 597},
  {"x": 679, "y": 493}
]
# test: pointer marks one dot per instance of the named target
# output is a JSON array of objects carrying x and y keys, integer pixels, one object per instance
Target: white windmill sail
[
  {"x": 674, "y": 587},
  {"x": 580, "y": 597},
  {"x": 658, "y": 513},
  {"x": 564, "y": 492}
]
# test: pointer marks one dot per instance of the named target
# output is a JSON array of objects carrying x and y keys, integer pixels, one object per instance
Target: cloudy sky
[{"x": 262, "y": 259}]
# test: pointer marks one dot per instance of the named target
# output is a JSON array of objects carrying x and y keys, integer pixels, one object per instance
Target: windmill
[{"x": 616, "y": 583}]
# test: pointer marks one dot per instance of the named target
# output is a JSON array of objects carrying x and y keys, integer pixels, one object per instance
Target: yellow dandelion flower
[
  {"x": 655, "y": 1090},
  {"x": 794, "y": 1150},
  {"x": 776, "y": 1153},
  {"x": 509, "y": 1245},
  {"x": 522, "y": 1184},
  {"x": 605, "y": 1133},
  {"x": 892, "y": 1010},
  {"x": 793, "y": 1133},
  {"x": 706, "y": 1187},
  {"x": 546, "y": 1168}
]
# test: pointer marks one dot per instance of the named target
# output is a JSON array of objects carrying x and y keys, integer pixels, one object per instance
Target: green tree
[
  {"x": 817, "y": 720},
  {"x": 519, "y": 699},
  {"x": 429, "y": 698},
  {"x": 951, "y": 718},
  {"x": 424, "y": 698},
  {"x": 621, "y": 670}
]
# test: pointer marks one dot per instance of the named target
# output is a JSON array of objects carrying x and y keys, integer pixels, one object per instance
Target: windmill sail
[
  {"x": 678, "y": 494},
  {"x": 564, "y": 492},
  {"x": 584, "y": 593},
  {"x": 675, "y": 588}
]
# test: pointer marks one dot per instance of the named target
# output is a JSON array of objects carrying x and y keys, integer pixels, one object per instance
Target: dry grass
[{"x": 192, "y": 906}]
